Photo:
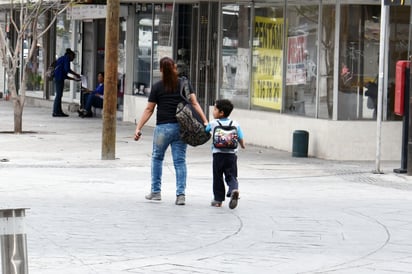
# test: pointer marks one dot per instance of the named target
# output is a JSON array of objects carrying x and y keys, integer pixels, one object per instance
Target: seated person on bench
[{"x": 93, "y": 97}]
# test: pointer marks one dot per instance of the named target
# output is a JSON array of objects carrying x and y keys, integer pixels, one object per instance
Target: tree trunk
[
  {"x": 110, "y": 81},
  {"x": 18, "y": 115},
  {"x": 18, "y": 103}
]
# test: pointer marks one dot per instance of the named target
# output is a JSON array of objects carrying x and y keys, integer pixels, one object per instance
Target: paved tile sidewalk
[{"x": 295, "y": 215}]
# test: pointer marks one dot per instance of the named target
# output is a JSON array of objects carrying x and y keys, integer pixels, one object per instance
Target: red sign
[{"x": 400, "y": 78}]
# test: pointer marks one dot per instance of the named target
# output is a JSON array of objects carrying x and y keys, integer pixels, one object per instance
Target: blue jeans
[
  {"x": 93, "y": 100},
  {"x": 58, "y": 93},
  {"x": 165, "y": 135}
]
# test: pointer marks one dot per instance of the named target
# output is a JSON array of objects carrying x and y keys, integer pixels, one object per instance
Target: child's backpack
[{"x": 225, "y": 137}]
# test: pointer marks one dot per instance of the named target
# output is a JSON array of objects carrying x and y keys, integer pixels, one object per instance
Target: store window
[
  {"x": 398, "y": 50},
  {"x": 184, "y": 41},
  {"x": 64, "y": 28},
  {"x": 234, "y": 81},
  {"x": 64, "y": 34},
  {"x": 358, "y": 62},
  {"x": 301, "y": 61},
  {"x": 154, "y": 37},
  {"x": 35, "y": 66},
  {"x": 143, "y": 50},
  {"x": 163, "y": 36},
  {"x": 267, "y": 57}
]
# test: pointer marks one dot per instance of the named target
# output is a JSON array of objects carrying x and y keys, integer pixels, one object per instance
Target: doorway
[
  {"x": 205, "y": 49},
  {"x": 187, "y": 33}
]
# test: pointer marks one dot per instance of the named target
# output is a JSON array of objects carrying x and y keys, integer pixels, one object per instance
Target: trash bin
[
  {"x": 300, "y": 143},
  {"x": 13, "y": 241}
]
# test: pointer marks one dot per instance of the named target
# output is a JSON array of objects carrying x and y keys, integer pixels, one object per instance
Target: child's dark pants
[{"x": 224, "y": 164}]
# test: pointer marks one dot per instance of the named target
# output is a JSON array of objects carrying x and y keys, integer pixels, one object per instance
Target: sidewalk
[{"x": 295, "y": 215}]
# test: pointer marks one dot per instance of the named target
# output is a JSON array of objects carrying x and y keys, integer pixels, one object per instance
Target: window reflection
[
  {"x": 358, "y": 62},
  {"x": 235, "y": 54},
  {"x": 301, "y": 62},
  {"x": 326, "y": 62},
  {"x": 153, "y": 41},
  {"x": 143, "y": 52}
]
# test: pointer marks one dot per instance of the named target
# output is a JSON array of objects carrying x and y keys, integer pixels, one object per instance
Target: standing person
[
  {"x": 93, "y": 97},
  {"x": 225, "y": 159},
  {"x": 62, "y": 69},
  {"x": 165, "y": 94}
]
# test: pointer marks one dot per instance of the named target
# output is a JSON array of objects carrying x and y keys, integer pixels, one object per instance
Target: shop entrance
[
  {"x": 187, "y": 33},
  {"x": 205, "y": 44},
  {"x": 93, "y": 55}
]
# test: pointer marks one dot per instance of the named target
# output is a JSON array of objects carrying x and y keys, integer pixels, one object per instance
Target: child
[{"x": 224, "y": 153}]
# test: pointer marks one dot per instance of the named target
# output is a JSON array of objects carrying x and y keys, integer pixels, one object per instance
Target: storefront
[
  {"x": 286, "y": 65},
  {"x": 89, "y": 37}
]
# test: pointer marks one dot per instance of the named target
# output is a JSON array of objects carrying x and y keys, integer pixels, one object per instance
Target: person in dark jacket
[
  {"x": 372, "y": 93},
  {"x": 61, "y": 73}
]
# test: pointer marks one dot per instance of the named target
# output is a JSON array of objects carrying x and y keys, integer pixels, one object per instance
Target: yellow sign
[{"x": 267, "y": 62}]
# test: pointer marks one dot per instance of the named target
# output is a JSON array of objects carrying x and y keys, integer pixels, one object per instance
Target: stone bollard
[{"x": 13, "y": 241}]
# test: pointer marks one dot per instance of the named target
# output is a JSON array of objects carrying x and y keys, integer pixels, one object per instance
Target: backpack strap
[{"x": 220, "y": 124}]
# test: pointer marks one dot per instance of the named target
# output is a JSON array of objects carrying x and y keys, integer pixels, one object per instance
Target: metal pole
[
  {"x": 408, "y": 107},
  {"x": 408, "y": 102},
  {"x": 382, "y": 50},
  {"x": 13, "y": 241}
]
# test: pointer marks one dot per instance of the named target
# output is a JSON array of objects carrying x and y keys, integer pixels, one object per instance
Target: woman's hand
[{"x": 137, "y": 134}]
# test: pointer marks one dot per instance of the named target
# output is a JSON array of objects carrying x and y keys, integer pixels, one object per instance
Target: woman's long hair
[{"x": 169, "y": 74}]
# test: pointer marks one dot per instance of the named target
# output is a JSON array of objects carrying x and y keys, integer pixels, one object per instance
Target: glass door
[
  {"x": 205, "y": 53},
  {"x": 234, "y": 79},
  {"x": 153, "y": 41}
]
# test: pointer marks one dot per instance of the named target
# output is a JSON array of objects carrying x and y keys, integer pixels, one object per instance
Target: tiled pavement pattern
[{"x": 295, "y": 215}]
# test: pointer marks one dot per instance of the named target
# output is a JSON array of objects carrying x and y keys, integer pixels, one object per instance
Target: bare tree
[{"x": 24, "y": 17}]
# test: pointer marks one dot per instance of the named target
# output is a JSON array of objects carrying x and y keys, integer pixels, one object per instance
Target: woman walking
[{"x": 165, "y": 94}]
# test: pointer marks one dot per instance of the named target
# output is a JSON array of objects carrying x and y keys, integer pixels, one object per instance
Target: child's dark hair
[{"x": 224, "y": 105}]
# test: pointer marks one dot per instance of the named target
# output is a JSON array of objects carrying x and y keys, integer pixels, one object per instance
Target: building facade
[{"x": 286, "y": 65}]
